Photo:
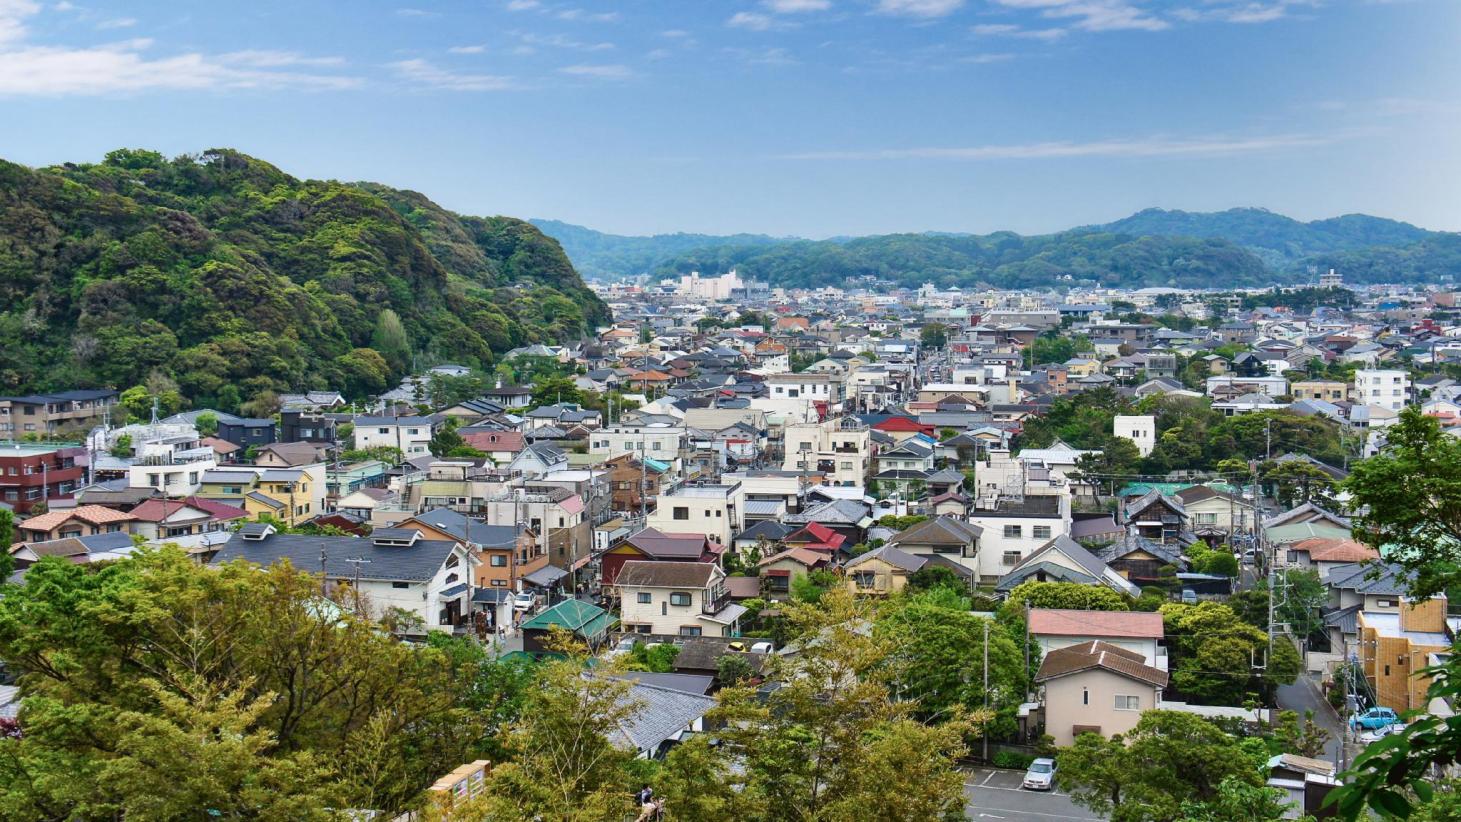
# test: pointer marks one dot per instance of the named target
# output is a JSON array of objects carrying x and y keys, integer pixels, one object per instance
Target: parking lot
[{"x": 996, "y": 795}]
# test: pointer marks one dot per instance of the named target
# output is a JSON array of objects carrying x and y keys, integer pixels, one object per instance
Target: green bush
[{"x": 1011, "y": 759}]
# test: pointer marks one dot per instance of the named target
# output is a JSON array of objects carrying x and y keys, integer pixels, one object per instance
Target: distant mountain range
[{"x": 1155, "y": 247}]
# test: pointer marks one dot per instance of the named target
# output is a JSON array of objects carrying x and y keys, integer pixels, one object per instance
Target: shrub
[{"x": 1011, "y": 759}]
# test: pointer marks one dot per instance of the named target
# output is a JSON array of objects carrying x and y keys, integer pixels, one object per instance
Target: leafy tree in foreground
[
  {"x": 1409, "y": 496},
  {"x": 1214, "y": 655},
  {"x": 1063, "y": 595},
  {"x": 1169, "y": 759}
]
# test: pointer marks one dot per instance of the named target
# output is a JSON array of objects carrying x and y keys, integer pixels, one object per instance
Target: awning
[
  {"x": 454, "y": 591},
  {"x": 492, "y": 596},
  {"x": 546, "y": 576},
  {"x": 582, "y": 562},
  {"x": 727, "y": 615}
]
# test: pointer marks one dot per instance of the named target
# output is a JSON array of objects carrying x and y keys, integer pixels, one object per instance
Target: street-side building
[{"x": 676, "y": 599}]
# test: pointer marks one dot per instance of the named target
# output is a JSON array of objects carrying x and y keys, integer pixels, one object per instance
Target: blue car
[{"x": 1373, "y": 719}]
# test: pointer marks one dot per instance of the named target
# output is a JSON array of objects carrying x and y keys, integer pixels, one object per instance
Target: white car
[
  {"x": 1040, "y": 776},
  {"x": 524, "y": 601},
  {"x": 623, "y": 646}
]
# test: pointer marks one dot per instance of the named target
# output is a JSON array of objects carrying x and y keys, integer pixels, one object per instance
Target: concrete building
[
  {"x": 1383, "y": 388},
  {"x": 716, "y": 510},
  {"x": 1140, "y": 429},
  {"x": 409, "y": 435},
  {"x": 31, "y": 474},
  {"x": 839, "y": 449}
]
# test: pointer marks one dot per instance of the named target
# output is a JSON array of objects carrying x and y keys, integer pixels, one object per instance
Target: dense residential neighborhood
[{"x": 1096, "y": 512}]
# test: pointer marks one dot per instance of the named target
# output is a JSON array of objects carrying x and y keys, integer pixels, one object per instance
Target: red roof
[
  {"x": 815, "y": 534},
  {"x": 494, "y": 440},
  {"x": 904, "y": 424},
  {"x": 1330, "y": 549},
  {"x": 1104, "y": 624},
  {"x": 155, "y": 510}
]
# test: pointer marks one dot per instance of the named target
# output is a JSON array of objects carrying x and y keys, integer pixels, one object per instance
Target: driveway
[{"x": 996, "y": 795}]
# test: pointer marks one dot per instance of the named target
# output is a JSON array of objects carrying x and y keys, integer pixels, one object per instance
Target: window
[
  {"x": 1041, "y": 532},
  {"x": 1385, "y": 603},
  {"x": 1387, "y": 670},
  {"x": 679, "y": 598},
  {"x": 453, "y": 561},
  {"x": 644, "y": 598},
  {"x": 865, "y": 579},
  {"x": 1012, "y": 532},
  {"x": 384, "y": 431},
  {"x": 499, "y": 583},
  {"x": 400, "y": 585},
  {"x": 681, "y": 512},
  {"x": 1128, "y": 703},
  {"x": 1206, "y": 519},
  {"x": 1011, "y": 558},
  {"x": 1085, "y": 696},
  {"x": 690, "y": 630},
  {"x": 499, "y": 560},
  {"x": 644, "y": 628}
]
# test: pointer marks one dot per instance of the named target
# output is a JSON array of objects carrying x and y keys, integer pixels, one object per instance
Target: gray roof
[
  {"x": 659, "y": 713},
  {"x": 415, "y": 563},
  {"x": 768, "y": 529},
  {"x": 469, "y": 529},
  {"x": 844, "y": 511},
  {"x": 1355, "y": 576},
  {"x": 546, "y": 576},
  {"x": 887, "y": 553},
  {"x": 689, "y": 683}
]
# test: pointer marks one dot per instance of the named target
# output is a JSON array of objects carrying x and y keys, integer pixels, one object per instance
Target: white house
[
  {"x": 409, "y": 435},
  {"x": 804, "y": 386},
  {"x": 658, "y": 441},
  {"x": 397, "y": 569},
  {"x": 716, "y": 510},
  {"x": 676, "y": 599},
  {"x": 1138, "y": 631},
  {"x": 1140, "y": 429},
  {"x": 841, "y": 449},
  {"x": 1015, "y": 527}
]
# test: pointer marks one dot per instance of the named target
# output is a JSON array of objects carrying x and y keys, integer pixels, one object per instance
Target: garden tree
[
  {"x": 934, "y": 335},
  {"x": 1241, "y": 799},
  {"x": 697, "y": 783},
  {"x": 446, "y": 442},
  {"x": 189, "y": 646},
  {"x": 1409, "y": 499},
  {"x": 390, "y": 339},
  {"x": 903, "y": 523},
  {"x": 811, "y": 586},
  {"x": 1219, "y": 561},
  {"x": 1080, "y": 420},
  {"x": 207, "y": 423},
  {"x": 493, "y": 688},
  {"x": 1296, "y": 482},
  {"x": 562, "y": 763},
  {"x": 264, "y": 404},
  {"x": 733, "y": 669},
  {"x": 1116, "y": 456},
  {"x": 659, "y": 658},
  {"x": 940, "y": 658},
  {"x": 1303, "y": 737},
  {"x": 122, "y": 446},
  {"x": 554, "y": 390},
  {"x": 832, "y": 743},
  {"x": 1072, "y": 595},
  {"x": 1214, "y": 655},
  {"x": 1055, "y": 347},
  {"x": 388, "y": 454},
  {"x": 932, "y": 576},
  {"x": 1169, "y": 759}
]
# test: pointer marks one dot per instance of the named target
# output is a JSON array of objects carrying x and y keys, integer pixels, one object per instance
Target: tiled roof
[
  {"x": 887, "y": 553},
  {"x": 94, "y": 514},
  {"x": 659, "y": 544},
  {"x": 1092, "y": 655},
  {"x": 941, "y": 530},
  {"x": 655, "y": 574},
  {"x": 1328, "y": 549},
  {"x": 156, "y": 510},
  {"x": 417, "y": 563},
  {"x": 1104, "y": 624}
]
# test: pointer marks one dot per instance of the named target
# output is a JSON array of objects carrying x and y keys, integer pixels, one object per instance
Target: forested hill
[
  {"x": 597, "y": 254},
  {"x": 1278, "y": 239},
  {"x": 231, "y": 277},
  {"x": 1239, "y": 247}
]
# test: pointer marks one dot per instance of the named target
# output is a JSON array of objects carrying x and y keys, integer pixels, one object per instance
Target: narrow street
[{"x": 1303, "y": 696}]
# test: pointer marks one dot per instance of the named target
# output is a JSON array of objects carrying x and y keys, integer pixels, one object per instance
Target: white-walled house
[
  {"x": 1141, "y": 429},
  {"x": 410, "y": 435},
  {"x": 1137, "y": 631},
  {"x": 1015, "y": 527},
  {"x": 431, "y": 579},
  {"x": 676, "y": 599},
  {"x": 716, "y": 510},
  {"x": 1383, "y": 388}
]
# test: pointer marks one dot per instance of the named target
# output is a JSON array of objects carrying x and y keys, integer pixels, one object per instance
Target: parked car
[
  {"x": 1374, "y": 719},
  {"x": 524, "y": 601},
  {"x": 1189, "y": 596},
  {"x": 623, "y": 646},
  {"x": 1368, "y": 736},
  {"x": 1041, "y": 775}
]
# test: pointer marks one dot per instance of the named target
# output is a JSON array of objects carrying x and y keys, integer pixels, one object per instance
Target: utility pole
[
  {"x": 357, "y": 562},
  {"x": 324, "y": 579},
  {"x": 1268, "y": 439}
]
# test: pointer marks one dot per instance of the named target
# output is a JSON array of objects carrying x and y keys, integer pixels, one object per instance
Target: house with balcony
[
  {"x": 1014, "y": 527},
  {"x": 51, "y": 414},
  {"x": 33, "y": 473},
  {"x": 716, "y": 510},
  {"x": 396, "y": 568},
  {"x": 952, "y": 539},
  {"x": 288, "y": 495},
  {"x": 409, "y": 435},
  {"x": 507, "y": 553},
  {"x": 1158, "y": 517},
  {"x": 840, "y": 449},
  {"x": 676, "y": 599},
  {"x": 651, "y": 544}
]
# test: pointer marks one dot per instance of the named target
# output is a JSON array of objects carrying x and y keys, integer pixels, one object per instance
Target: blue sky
[{"x": 807, "y": 117}]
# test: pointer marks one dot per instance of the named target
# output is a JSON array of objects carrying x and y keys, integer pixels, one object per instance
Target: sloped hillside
[{"x": 232, "y": 277}]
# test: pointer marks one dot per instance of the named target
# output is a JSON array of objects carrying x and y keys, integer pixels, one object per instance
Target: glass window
[
  {"x": 644, "y": 598},
  {"x": 690, "y": 630},
  {"x": 499, "y": 560},
  {"x": 1042, "y": 532},
  {"x": 1013, "y": 531},
  {"x": 679, "y": 598},
  {"x": 1128, "y": 703}
]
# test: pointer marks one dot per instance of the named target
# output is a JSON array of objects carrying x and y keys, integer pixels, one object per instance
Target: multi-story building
[
  {"x": 409, "y": 435},
  {"x": 300, "y": 425},
  {"x": 840, "y": 449},
  {"x": 31, "y": 474},
  {"x": 813, "y": 387},
  {"x": 49, "y": 414},
  {"x": 1015, "y": 527},
  {"x": 1384, "y": 388},
  {"x": 288, "y": 495},
  {"x": 658, "y": 441},
  {"x": 1141, "y": 429},
  {"x": 1326, "y": 390},
  {"x": 1396, "y": 647},
  {"x": 716, "y": 510}
]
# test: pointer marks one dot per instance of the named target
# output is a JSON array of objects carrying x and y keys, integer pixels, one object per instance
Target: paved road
[
  {"x": 996, "y": 795},
  {"x": 1303, "y": 696}
]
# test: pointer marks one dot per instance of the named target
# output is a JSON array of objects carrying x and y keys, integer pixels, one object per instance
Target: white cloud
[
  {"x": 981, "y": 59},
  {"x": 12, "y": 19},
  {"x": 477, "y": 49},
  {"x": 920, "y": 8},
  {"x": 1094, "y": 15},
  {"x": 523, "y": 5},
  {"x": 796, "y": 6},
  {"x": 763, "y": 57},
  {"x": 750, "y": 20},
  {"x": 417, "y": 13},
  {"x": 117, "y": 23},
  {"x": 561, "y": 42},
  {"x": 1008, "y": 30},
  {"x": 427, "y": 74},
  {"x": 599, "y": 72},
  {"x": 579, "y": 15},
  {"x": 263, "y": 58},
  {"x": 1141, "y": 147},
  {"x": 658, "y": 54}
]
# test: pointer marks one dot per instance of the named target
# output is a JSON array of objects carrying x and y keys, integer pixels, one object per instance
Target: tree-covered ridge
[
  {"x": 1001, "y": 260},
  {"x": 233, "y": 278},
  {"x": 1276, "y": 238},
  {"x": 598, "y": 254}
]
